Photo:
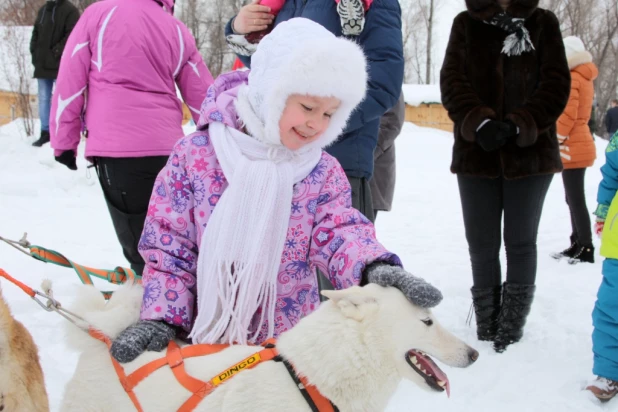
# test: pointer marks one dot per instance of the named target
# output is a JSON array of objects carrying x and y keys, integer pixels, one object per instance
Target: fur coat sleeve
[{"x": 459, "y": 97}]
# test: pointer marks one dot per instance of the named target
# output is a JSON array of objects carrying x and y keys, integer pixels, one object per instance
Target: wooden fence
[
  {"x": 9, "y": 107},
  {"x": 429, "y": 115}
]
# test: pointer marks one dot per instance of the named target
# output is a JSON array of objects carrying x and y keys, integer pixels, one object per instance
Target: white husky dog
[{"x": 355, "y": 349}]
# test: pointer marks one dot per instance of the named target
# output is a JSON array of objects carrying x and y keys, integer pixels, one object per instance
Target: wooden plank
[{"x": 429, "y": 115}]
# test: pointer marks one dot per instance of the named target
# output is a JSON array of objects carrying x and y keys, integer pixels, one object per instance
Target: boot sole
[
  {"x": 576, "y": 261},
  {"x": 559, "y": 256}
]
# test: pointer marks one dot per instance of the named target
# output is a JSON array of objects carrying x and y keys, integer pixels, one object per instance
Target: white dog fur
[{"x": 352, "y": 349}]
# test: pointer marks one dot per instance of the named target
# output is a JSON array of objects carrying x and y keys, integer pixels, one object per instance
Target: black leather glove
[
  {"x": 67, "y": 158},
  {"x": 144, "y": 335},
  {"x": 513, "y": 129},
  {"x": 494, "y": 134}
]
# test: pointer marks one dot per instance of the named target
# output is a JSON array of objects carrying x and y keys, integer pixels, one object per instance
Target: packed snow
[
  {"x": 546, "y": 371},
  {"x": 417, "y": 94}
]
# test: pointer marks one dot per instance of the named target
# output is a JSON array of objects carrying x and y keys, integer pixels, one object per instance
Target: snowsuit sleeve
[
  {"x": 71, "y": 84},
  {"x": 609, "y": 185},
  {"x": 169, "y": 245},
  {"x": 193, "y": 78},
  {"x": 343, "y": 241}
]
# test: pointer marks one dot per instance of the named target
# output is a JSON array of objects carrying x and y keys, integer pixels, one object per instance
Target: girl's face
[
  {"x": 504, "y": 3},
  {"x": 305, "y": 118}
]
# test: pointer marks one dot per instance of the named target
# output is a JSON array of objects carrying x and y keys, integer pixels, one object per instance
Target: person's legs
[
  {"x": 45, "y": 95},
  {"x": 523, "y": 205},
  {"x": 127, "y": 185},
  {"x": 575, "y": 192},
  {"x": 605, "y": 322},
  {"x": 481, "y": 203},
  {"x": 361, "y": 196}
]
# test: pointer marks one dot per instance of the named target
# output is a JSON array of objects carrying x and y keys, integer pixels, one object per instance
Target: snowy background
[{"x": 546, "y": 371}]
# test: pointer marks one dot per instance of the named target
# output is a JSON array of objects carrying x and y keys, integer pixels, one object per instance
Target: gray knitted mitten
[
  {"x": 144, "y": 335},
  {"x": 417, "y": 290}
]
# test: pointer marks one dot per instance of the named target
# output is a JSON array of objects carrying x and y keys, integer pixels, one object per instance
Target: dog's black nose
[{"x": 473, "y": 355}]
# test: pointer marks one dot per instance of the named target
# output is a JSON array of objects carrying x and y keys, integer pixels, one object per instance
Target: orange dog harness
[
  {"x": 175, "y": 359},
  {"x": 176, "y": 355}
]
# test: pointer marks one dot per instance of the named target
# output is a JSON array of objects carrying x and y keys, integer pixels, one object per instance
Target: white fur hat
[
  {"x": 573, "y": 45},
  {"x": 301, "y": 57}
]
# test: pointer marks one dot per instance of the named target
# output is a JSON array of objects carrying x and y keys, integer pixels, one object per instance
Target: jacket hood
[
  {"x": 485, "y": 9},
  {"x": 301, "y": 57},
  {"x": 587, "y": 70},
  {"x": 297, "y": 57},
  {"x": 219, "y": 103}
]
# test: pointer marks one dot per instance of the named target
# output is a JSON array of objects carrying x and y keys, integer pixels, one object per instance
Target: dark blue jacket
[
  {"x": 381, "y": 41},
  {"x": 611, "y": 121}
]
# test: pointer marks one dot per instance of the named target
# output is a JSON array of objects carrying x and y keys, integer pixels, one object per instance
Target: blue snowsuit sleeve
[{"x": 609, "y": 185}]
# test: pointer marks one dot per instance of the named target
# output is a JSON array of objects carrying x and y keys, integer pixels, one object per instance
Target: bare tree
[
  {"x": 82, "y": 4},
  {"x": 16, "y": 68},
  {"x": 206, "y": 21},
  {"x": 595, "y": 22},
  {"x": 418, "y": 18},
  {"x": 428, "y": 13},
  {"x": 19, "y": 12}
]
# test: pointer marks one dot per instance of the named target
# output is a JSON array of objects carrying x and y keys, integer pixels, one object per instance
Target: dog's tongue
[
  {"x": 441, "y": 376},
  {"x": 430, "y": 366}
]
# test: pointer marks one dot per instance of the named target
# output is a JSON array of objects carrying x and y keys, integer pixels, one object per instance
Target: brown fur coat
[{"x": 479, "y": 82}]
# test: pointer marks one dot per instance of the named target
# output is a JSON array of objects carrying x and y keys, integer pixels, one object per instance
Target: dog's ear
[{"x": 352, "y": 303}]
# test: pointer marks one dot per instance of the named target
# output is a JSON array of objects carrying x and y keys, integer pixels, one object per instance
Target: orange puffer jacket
[{"x": 578, "y": 150}]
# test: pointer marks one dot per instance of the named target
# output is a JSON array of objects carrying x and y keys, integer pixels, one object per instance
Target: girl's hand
[
  {"x": 417, "y": 290},
  {"x": 252, "y": 17},
  {"x": 142, "y": 336}
]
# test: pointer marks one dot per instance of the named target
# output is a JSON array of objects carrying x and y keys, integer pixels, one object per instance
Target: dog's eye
[{"x": 427, "y": 322}]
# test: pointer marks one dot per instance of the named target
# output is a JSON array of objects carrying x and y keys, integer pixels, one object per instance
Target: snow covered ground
[{"x": 547, "y": 371}]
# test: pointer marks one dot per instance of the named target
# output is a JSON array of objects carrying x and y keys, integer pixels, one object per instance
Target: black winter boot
[
  {"x": 516, "y": 304},
  {"x": 486, "y": 303},
  {"x": 42, "y": 140},
  {"x": 584, "y": 253},
  {"x": 568, "y": 252}
]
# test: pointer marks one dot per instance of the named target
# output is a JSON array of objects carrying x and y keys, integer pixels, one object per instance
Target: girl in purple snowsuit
[{"x": 250, "y": 208}]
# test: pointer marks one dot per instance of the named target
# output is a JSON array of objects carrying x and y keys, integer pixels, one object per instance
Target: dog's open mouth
[{"x": 427, "y": 368}]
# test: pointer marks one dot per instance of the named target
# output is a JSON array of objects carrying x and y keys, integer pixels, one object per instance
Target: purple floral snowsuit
[{"x": 324, "y": 232}]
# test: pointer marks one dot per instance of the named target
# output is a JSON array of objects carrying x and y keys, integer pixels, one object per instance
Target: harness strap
[
  {"x": 323, "y": 404},
  {"x": 198, "y": 388},
  {"x": 122, "y": 377},
  {"x": 116, "y": 276},
  {"x": 17, "y": 283},
  {"x": 316, "y": 401}
]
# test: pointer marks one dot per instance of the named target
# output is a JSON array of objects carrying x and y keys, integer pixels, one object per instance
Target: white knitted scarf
[{"x": 241, "y": 248}]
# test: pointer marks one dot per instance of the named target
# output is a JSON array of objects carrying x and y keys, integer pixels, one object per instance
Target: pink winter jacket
[
  {"x": 324, "y": 232},
  {"x": 121, "y": 65}
]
